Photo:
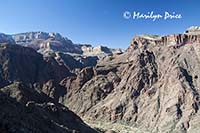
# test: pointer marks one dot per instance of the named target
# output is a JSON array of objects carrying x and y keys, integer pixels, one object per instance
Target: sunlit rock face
[
  {"x": 46, "y": 41},
  {"x": 193, "y": 30},
  {"x": 6, "y": 39},
  {"x": 154, "y": 85}
]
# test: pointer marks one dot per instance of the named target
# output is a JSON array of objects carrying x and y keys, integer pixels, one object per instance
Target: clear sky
[{"x": 96, "y": 21}]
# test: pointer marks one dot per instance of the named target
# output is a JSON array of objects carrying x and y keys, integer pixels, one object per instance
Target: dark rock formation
[
  {"x": 54, "y": 90},
  {"x": 40, "y": 118},
  {"x": 19, "y": 63},
  {"x": 24, "y": 93}
]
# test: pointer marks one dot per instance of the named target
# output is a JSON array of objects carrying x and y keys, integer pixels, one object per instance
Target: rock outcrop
[
  {"x": 153, "y": 86},
  {"x": 76, "y": 61},
  {"x": 6, "y": 39},
  {"x": 30, "y": 92},
  {"x": 100, "y": 51},
  {"x": 175, "y": 40},
  {"x": 193, "y": 30},
  {"x": 24, "y": 109},
  {"x": 74, "y": 56},
  {"x": 43, "y": 41},
  {"x": 19, "y": 63}
]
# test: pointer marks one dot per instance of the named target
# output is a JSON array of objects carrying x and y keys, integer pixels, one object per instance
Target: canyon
[{"x": 152, "y": 86}]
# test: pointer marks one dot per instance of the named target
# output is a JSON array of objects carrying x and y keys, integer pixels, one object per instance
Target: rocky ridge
[
  {"x": 29, "y": 93},
  {"x": 44, "y": 42},
  {"x": 88, "y": 50},
  {"x": 61, "y": 48},
  {"x": 193, "y": 30},
  {"x": 19, "y": 63},
  {"x": 23, "y": 109},
  {"x": 153, "y": 86},
  {"x": 6, "y": 39}
]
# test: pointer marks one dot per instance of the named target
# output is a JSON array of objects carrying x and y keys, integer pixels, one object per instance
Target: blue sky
[{"x": 97, "y": 22}]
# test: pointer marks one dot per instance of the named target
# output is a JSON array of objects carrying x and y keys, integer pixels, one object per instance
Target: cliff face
[
  {"x": 100, "y": 51},
  {"x": 44, "y": 41},
  {"x": 54, "y": 42},
  {"x": 6, "y": 39},
  {"x": 154, "y": 85},
  {"x": 175, "y": 40},
  {"x": 29, "y": 94},
  {"x": 19, "y": 63},
  {"x": 61, "y": 48},
  {"x": 24, "y": 109}
]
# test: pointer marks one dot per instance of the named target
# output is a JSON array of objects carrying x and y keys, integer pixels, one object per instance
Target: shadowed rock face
[
  {"x": 76, "y": 61},
  {"x": 24, "y": 109},
  {"x": 19, "y": 63},
  {"x": 30, "y": 91},
  {"x": 154, "y": 85},
  {"x": 73, "y": 56}
]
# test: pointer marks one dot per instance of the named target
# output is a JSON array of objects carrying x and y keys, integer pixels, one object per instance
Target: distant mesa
[
  {"x": 43, "y": 42},
  {"x": 60, "y": 48},
  {"x": 6, "y": 39}
]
